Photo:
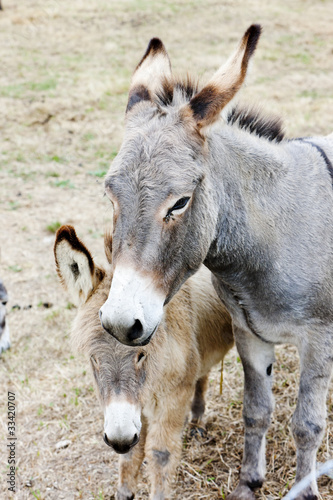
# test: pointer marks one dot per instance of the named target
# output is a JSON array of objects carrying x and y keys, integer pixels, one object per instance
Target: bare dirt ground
[{"x": 64, "y": 75}]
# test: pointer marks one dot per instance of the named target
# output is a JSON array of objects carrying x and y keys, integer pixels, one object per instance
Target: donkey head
[
  {"x": 164, "y": 208},
  {"x": 121, "y": 373}
]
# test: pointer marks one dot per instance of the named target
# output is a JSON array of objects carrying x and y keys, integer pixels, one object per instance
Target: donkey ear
[
  {"x": 223, "y": 86},
  {"x": 149, "y": 74},
  {"x": 75, "y": 266}
]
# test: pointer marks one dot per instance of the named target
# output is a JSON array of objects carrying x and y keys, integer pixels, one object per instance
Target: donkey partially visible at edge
[
  {"x": 255, "y": 208},
  {"x": 146, "y": 392},
  {"x": 4, "y": 328}
]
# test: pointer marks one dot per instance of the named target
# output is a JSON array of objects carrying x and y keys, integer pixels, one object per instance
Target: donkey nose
[
  {"x": 121, "y": 447},
  {"x": 105, "y": 324},
  {"x": 135, "y": 331}
]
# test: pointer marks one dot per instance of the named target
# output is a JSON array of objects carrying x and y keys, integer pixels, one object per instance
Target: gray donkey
[
  {"x": 191, "y": 186},
  {"x": 4, "y": 328}
]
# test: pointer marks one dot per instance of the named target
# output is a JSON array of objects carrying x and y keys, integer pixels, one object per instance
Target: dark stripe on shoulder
[{"x": 321, "y": 152}]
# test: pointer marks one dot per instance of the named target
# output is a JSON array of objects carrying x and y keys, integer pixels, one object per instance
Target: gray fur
[
  {"x": 4, "y": 328},
  {"x": 261, "y": 221},
  {"x": 161, "y": 457}
]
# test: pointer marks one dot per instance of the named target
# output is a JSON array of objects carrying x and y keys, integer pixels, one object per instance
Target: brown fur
[
  {"x": 209, "y": 102},
  {"x": 194, "y": 334},
  {"x": 67, "y": 235}
]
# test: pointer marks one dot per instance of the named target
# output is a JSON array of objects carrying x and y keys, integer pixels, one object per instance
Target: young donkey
[
  {"x": 255, "y": 208},
  {"x": 147, "y": 391}
]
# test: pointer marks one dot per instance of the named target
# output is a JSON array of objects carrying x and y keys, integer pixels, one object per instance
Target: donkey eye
[
  {"x": 180, "y": 204},
  {"x": 179, "y": 207}
]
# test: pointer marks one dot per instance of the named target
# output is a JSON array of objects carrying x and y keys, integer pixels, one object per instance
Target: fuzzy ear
[
  {"x": 108, "y": 245},
  {"x": 207, "y": 105},
  {"x": 149, "y": 74},
  {"x": 75, "y": 266}
]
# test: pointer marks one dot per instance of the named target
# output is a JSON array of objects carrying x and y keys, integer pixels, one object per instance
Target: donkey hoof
[
  {"x": 307, "y": 496},
  {"x": 198, "y": 431},
  {"x": 242, "y": 492},
  {"x": 123, "y": 493}
]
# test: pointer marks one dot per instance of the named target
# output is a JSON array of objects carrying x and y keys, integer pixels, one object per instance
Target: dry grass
[{"x": 65, "y": 70}]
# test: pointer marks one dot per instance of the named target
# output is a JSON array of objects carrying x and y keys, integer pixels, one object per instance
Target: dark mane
[
  {"x": 187, "y": 87},
  {"x": 252, "y": 120}
]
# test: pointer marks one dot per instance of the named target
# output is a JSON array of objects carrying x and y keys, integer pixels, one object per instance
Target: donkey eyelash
[{"x": 181, "y": 203}]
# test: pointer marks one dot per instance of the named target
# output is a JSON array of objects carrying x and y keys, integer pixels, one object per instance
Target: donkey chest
[{"x": 258, "y": 313}]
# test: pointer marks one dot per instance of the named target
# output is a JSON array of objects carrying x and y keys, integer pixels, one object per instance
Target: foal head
[
  {"x": 165, "y": 211},
  {"x": 121, "y": 373}
]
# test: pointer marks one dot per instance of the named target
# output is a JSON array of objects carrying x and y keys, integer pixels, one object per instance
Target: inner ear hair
[
  {"x": 75, "y": 265},
  {"x": 149, "y": 74},
  {"x": 68, "y": 233}
]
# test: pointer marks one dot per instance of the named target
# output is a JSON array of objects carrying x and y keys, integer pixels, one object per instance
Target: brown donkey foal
[{"x": 146, "y": 392}]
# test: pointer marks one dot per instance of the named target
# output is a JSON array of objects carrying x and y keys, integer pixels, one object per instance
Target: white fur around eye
[{"x": 174, "y": 211}]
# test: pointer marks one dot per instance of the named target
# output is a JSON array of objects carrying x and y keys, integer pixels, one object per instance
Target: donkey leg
[
  {"x": 198, "y": 407},
  {"x": 5, "y": 340},
  {"x": 308, "y": 423},
  {"x": 257, "y": 358},
  {"x": 164, "y": 441},
  {"x": 129, "y": 466},
  {"x": 198, "y": 402}
]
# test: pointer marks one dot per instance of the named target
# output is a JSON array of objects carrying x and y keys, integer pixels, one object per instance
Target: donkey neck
[
  {"x": 271, "y": 199},
  {"x": 247, "y": 173}
]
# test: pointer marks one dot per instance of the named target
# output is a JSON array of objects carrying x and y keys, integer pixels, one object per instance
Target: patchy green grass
[
  {"x": 53, "y": 227},
  {"x": 302, "y": 57},
  {"x": 98, "y": 173},
  {"x": 57, "y": 159},
  {"x": 20, "y": 89},
  {"x": 14, "y": 205},
  {"x": 63, "y": 183},
  {"x": 15, "y": 268},
  {"x": 52, "y": 174}
]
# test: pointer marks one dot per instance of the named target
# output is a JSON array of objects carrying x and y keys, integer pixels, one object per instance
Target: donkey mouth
[
  {"x": 148, "y": 339},
  {"x": 121, "y": 448}
]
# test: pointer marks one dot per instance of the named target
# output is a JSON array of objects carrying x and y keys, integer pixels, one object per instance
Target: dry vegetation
[{"x": 65, "y": 70}]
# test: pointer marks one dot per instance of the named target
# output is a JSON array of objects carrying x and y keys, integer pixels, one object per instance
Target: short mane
[
  {"x": 180, "y": 91},
  {"x": 183, "y": 88},
  {"x": 255, "y": 122}
]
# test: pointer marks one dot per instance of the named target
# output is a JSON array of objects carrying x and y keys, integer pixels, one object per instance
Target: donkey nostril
[
  {"x": 135, "y": 440},
  {"x": 135, "y": 331},
  {"x": 106, "y": 441}
]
